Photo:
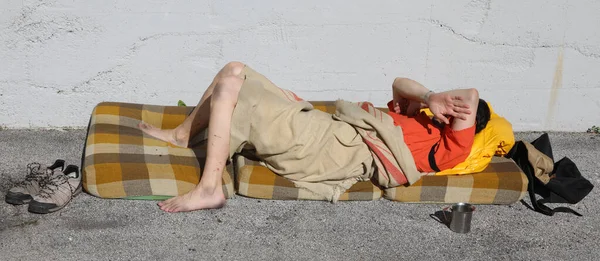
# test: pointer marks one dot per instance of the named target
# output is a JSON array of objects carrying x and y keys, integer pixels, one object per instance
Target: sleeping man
[{"x": 244, "y": 110}]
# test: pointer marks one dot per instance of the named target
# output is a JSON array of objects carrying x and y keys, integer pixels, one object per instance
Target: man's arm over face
[
  {"x": 409, "y": 96},
  {"x": 449, "y": 103},
  {"x": 410, "y": 89}
]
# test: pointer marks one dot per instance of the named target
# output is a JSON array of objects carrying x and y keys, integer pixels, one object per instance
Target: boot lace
[
  {"x": 35, "y": 173},
  {"x": 53, "y": 184}
]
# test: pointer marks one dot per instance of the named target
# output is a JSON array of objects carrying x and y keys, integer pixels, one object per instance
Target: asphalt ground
[{"x": 91, "y": 228}]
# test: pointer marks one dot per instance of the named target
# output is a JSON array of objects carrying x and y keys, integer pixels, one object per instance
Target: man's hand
[
  {"x": 407, "y": 107},
  {"x": 446, "y": 104}
]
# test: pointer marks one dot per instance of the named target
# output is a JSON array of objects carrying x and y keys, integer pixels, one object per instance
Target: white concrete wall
[{"x": 537, "y": 61}]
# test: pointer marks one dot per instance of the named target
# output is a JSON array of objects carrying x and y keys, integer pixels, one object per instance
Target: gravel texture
[{"x": 249, "y": 229}]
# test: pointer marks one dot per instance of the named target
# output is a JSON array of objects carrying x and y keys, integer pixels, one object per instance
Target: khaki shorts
[{"x": 293, "y": 139}]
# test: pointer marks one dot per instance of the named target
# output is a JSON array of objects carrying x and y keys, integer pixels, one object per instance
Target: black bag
[{"x": 566, "y": 185}]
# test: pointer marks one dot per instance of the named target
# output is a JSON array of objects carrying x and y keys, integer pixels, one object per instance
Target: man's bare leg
[
  {"x": 198, "y": 119},
  {"x": 209, "y": 192},
  {"x": 215, "y": 111}
]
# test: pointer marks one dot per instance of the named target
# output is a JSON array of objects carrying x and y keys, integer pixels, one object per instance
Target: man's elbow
[
  {"x": 399, "y": 81},
  {"x": 472, "y": 95}
]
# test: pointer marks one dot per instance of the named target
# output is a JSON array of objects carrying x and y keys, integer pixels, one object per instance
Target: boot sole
[
  {"x": 17, "y": 199},
  {"x": 45, "y": 208}
]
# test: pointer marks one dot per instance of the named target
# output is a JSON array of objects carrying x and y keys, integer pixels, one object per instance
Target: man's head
[{"x": 483, "y": 116}]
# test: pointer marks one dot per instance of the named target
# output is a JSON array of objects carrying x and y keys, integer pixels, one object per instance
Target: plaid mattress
[
  {"x": 119, "y": 161},
  {"x": 501, "y": 182},
  {"x": 257, "y": 181}
]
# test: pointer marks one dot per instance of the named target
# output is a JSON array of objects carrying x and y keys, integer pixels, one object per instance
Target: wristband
[{"x": 425, "y": 96}]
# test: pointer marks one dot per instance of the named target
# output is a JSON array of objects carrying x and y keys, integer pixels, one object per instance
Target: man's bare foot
[
  {"x": 197, "y": 199},
  {"x": 164, "y": 135}
]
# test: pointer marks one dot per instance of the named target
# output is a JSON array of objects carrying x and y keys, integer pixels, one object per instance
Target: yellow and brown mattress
[{"x": 119, "y": 161}]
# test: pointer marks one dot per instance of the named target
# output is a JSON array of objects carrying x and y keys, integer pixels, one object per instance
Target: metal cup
[{"x": 460, "y": 221}]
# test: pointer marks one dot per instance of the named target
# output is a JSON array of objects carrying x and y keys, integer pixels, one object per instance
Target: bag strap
[
  {"x": 519, "y": 154},
  {"x": 432, "y": 152}
]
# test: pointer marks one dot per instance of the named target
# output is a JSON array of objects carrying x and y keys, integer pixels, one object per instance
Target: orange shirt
[{"x": 420, "y": 135}]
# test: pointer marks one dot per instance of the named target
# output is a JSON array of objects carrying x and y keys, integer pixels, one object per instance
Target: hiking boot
[
  {"x": 37, "y": 174},
  {"x": 57, "y": 191}
]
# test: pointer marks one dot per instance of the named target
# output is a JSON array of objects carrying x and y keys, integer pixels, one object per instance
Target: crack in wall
[
  {"x": 98, "y": 76},
  {"x": 44, "y": 87},
  {"x": 450, "y": 29},
  {"x": 26, "y": 12},
  {"x": 132, "y": 50},
  {"x": 36, "y": 26},
  {"x": 55, "y": 88},
  {"x": 142, "y": 40},
  {"x": 189, "y": 33}
]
